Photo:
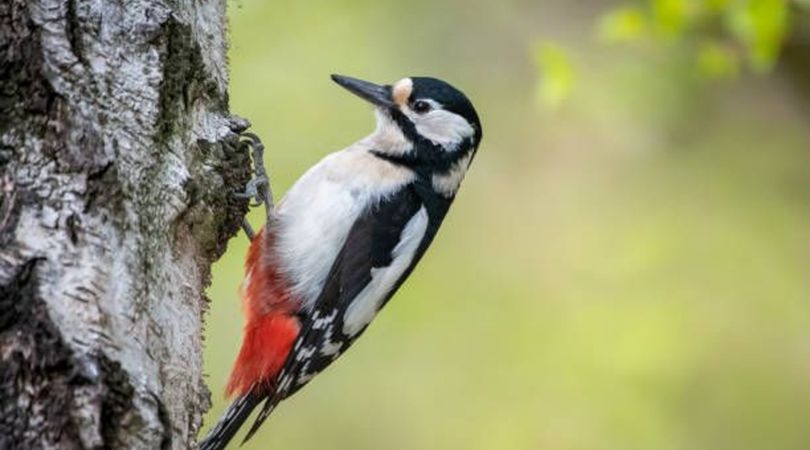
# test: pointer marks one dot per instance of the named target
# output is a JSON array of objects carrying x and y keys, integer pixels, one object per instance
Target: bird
[{"x": 343, "y": 239}]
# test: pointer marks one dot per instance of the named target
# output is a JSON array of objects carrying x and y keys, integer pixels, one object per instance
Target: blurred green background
[{"x": 627, "y": 265}]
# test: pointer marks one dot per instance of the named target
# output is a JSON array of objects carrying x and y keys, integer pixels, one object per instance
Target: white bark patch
[
  {"x": 108, "y": 218},
  {"x": 365, "y": 306}
]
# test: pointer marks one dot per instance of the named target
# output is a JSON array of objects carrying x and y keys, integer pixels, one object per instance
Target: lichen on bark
[{"x": 117, "y": 159}]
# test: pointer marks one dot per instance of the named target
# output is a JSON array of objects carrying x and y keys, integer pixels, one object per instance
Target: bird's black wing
[{"x": 370, "y": 244}]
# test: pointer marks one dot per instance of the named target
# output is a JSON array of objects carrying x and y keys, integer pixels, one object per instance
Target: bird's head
[{"x": 421, "y": 121}]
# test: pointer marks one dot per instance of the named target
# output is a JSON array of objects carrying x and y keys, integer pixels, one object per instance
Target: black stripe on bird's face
[
  {"x": 429, "y": 113},
  {"x": 423, "y": 123},
  {"x": 450, "y": 99}
]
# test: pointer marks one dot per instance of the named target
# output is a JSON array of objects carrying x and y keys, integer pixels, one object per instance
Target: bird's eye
[{"x": 421, "y": 106}]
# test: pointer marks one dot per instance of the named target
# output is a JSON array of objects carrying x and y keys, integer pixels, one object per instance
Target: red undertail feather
[{"x": 270, "y": 323}]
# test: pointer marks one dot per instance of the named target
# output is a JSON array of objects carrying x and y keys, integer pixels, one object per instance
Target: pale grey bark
[{"x": 117, "y": 159}]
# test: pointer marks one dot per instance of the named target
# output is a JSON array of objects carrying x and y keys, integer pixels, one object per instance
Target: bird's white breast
[{"x": 319, "y": 210}]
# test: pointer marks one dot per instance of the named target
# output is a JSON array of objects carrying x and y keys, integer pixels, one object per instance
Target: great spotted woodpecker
[{"x": 343, "y": 239}]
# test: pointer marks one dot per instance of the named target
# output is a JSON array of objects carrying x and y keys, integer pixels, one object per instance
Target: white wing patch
[
  {"x": 327, "y": 323},
  {"x": 365, "y": 306}
]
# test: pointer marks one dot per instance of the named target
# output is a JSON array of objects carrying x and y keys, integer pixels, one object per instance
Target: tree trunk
[{"x": 117, "y": 160}]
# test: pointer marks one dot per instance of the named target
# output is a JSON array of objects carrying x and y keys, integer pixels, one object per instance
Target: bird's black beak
[{"x": 373, "y": 93}]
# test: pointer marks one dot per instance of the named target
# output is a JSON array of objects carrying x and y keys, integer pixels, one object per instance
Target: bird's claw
[
  {"x": 253, "y": 191},
  {"x": 258, "y": 189}
]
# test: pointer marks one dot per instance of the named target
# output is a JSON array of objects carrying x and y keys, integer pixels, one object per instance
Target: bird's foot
[{"x": 257, "y": 189}]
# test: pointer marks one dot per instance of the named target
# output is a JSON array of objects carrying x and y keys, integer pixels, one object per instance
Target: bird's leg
[
  {"x": 258, "y": 188},
  {"x": 248, "y": 229}
]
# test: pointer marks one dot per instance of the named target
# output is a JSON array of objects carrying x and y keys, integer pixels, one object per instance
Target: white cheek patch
[
  {"x": 365, "y": 306},
  {"x": 447, "y": 183},
  {"x": 443, "y": 127}
]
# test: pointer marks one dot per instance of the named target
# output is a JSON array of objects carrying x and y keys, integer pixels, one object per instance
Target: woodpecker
[{"x": 344, "y": 239}]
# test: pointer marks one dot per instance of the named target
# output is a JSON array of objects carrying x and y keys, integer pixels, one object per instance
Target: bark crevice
[{"x": 117, "y": 160}]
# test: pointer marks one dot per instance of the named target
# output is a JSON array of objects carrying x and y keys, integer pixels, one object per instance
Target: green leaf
[
  {"x": 557, "y": 75},
  {"x": 670, "y": 17},
  {"x": 623, "y": 25},
  {"x": 761, "y": 25}
]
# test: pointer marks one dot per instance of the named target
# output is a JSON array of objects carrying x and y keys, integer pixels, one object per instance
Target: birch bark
[{"x": 117, "y": 160}]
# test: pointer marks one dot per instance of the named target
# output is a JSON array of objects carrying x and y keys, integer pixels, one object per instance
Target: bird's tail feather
[
  {"x": 231, "y": 420},
  {"x": 269, "y": 406}
]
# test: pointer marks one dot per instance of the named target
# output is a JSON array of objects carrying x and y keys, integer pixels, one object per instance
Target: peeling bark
[{"x": 117, "y": 159}]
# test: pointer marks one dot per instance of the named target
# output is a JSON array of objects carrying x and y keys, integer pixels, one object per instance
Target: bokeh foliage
[
  {"x": 721, "y": 38},
  {"x": 629, "y": 272}
]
